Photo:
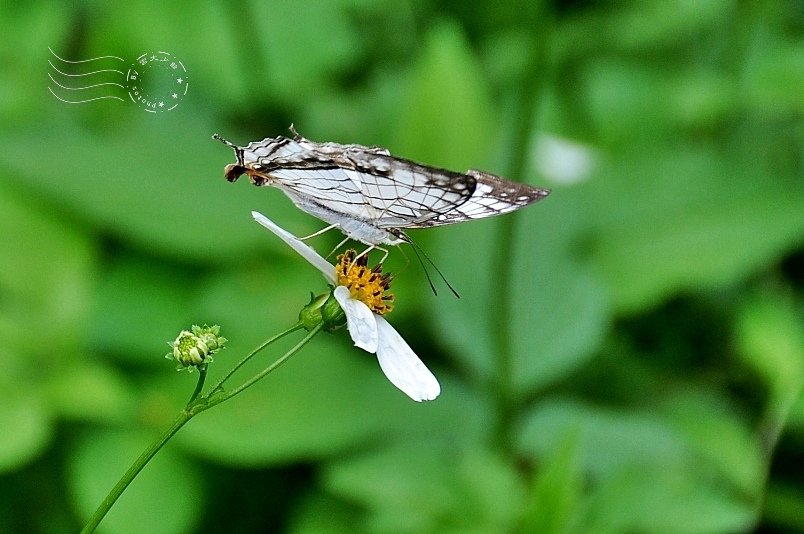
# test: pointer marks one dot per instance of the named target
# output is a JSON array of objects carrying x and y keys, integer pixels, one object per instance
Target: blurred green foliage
[{"x": 627, "y": 356}]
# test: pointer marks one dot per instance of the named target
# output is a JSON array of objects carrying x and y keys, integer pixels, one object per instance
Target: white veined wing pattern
[{"x": 370, "y": 195}]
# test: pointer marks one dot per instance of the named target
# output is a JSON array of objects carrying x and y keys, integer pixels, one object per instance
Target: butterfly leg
[
  {"x": 339, "y": 245},
  {"x": 385, "y": 252},
  {"x": 405, "y": 256},
  {"x": 369, "y": 249},
  {"x": 319, "y": 232}
]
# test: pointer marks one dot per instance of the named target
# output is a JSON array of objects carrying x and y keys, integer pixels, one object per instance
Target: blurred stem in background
[{"x": 529, "y": 95}]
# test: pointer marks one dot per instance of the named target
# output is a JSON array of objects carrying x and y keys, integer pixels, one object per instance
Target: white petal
[
  {"x": 298, "y": 245},
  {"x": 359, "y": 320},
  {"x": 401, "y": 365}
]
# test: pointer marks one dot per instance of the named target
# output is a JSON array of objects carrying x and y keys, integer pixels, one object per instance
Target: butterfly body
[{"x": 370, "y": 195}]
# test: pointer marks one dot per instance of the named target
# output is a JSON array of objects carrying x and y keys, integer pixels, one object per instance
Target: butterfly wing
[
  {"x": 407, "y": 194},
  {"x": 368, "y": 184},
  {"x": 491, "y": 195}
]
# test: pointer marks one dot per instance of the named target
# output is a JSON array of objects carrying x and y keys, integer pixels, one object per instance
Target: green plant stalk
[
  {"x": 202, "y": 376},
  {"x": 503, "y": 332},
  {"x": 133, "y": 471},
  {"x": 217, "y": 399},
  {"x": 195, "y": 406},
  {"x": 219, "y": 384}
]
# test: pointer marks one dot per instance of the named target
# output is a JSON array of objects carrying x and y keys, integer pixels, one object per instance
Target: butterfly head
[{"x": 233, "y": 171}]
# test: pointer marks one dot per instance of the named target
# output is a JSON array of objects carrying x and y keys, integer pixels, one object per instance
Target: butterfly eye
[{"x": 232, "y": 172}]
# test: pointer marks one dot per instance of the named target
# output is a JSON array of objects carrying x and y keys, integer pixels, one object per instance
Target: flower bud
[
  {"x": 323, "y": 309},
  {"x": 332, "y": 314},
  {"x": 209, "y": 335},
  {"x": 310, "y": 315},
  {"x": 195, "y": 348}
]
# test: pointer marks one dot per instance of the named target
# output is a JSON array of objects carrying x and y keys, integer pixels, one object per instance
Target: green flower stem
[
  {"x": 133, "y": 471},
  {"x": 202, "y": 376},
  {"x": 197, "y": 404},
  {"x": 217, "y": 399},
  {"x": 219, "y": 384}
]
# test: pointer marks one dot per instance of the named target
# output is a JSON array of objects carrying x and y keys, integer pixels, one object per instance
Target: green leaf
[
  {"x": 305, "y": 410},
  {"x": 331, "y": 43},
  {"x": 663, "y": 222},
  {"x": 556, "y": 491},
  {"x": 661, "y": 499},
  {"x": 166, "y": 497},
  {"x": 774, "y": 70},
  {"x": 328, "y": 399},
  {"x": 464, "y": 325},
  {"x": 29, "y": 30},
  {"x": 784, "y": 507},
  {"x": 448, "y": 111},
  {"x": 770, "y": 339},
  {"x": 24, "y": 412},
  {"x": 796, "y": 419},
  {"x": 319, "y": 512},
  {"x": 648, "y": 26},
  {"x": 721, "y": 438},
  {"x": 557, "y": 307},
  {"x": 91, "y": 392},
  {"x": 424, "y": 487},
  {"x": 45, "y": 282},
  {"x": 658, "y": 102},
  {"x": 154, "y": 180},
  {"x": 140, "y": 307},
  {"x": 608, "y": 440},
  {"x": 210, "y": 52},
  {"x": 643, "y": 474},
  {"x": 625, "y": 116}
]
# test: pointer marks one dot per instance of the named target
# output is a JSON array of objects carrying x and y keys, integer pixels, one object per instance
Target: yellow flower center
[{"x": 369, "y": 286}]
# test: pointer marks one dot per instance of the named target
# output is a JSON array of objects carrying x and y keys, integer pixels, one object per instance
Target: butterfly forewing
[
  {"x": 368, "y": 184},
  {"x": 370, "y": 194},
  {"x": 492, "y": 196}
]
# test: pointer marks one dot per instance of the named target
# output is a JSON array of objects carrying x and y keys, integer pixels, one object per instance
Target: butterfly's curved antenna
[
  {"x": 296, "y": 135},
  {"x": 224, "y": 141},
  {"x": 417, "y": 250}
]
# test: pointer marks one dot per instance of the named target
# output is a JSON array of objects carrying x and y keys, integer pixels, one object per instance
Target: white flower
[{"x": 370, "y": 331}]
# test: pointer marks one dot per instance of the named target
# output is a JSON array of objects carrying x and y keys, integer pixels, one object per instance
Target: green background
[{"x": 626, "y": 356}]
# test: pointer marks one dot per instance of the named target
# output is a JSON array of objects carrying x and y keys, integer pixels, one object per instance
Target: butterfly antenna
[
  {"x": 224, "y": 141},
  {"x": 424, "y": 268},
  {"x": 296, "y": 136},
  {"x": 418, "y": 250}
]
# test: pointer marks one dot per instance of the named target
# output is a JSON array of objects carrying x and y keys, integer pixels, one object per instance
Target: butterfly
[{"x": 370, "y": 195}]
